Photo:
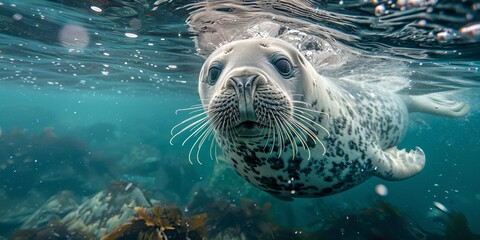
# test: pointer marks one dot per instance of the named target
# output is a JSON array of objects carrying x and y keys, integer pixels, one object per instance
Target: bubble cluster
[
  {"x": 433, "y": 10},
  {"x": 385, "y": 7}
]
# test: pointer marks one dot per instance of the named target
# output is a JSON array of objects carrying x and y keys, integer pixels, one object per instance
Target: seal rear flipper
[
  {"x": 394, "y": 164},
  {"x": 436, "y": 104}
]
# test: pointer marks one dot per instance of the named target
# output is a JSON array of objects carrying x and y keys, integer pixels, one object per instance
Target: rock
[
  {"x": 54, "y": 208},
  {"x": 107, "y": 209}
]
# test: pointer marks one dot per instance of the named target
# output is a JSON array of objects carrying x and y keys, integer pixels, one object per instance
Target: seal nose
[
  {"x": 244, "y": 86},
  {"x": 244, "y": 83}
]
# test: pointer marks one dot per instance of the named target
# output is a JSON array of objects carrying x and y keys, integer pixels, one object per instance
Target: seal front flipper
[{"x": 393, "y": 164}]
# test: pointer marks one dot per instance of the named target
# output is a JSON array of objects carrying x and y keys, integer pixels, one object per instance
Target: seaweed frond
[{"x": 158, "y": 223}]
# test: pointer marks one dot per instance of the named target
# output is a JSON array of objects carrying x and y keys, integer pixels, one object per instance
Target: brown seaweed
[
  {"x": 380, "y": 221},
  {"x": 249, "y": 219},
  {"x": 159, "y": 223},
  {"x": 456, "y": 226}
]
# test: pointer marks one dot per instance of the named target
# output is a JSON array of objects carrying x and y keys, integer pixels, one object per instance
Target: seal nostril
[
  {"x": 244, "y": 82},
  {"x": 240, "y": 87}
]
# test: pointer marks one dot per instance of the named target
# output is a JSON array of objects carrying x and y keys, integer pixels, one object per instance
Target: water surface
[{"x": 98, "y": 83}]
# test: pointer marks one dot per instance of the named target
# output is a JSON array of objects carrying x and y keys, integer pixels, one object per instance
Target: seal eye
[
  {"x": 213, "y": 74},
  {"x": 284, "y": 67}
]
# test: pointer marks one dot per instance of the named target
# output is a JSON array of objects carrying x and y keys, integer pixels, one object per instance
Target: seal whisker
[
  {"x": 213, "y": 148},
  {"x": 308, "y": 109},
  {"x": 204, "y": 133},
  {"x": 186, "y": 121},
  {"x": 308, "y": 120},
  {"x": 190, "y": 126},
  {"x": 312, "y": 135},
  {"x": 196, "y": 110},
  {"x": 303, "y": 138},
  {"x": 303, "y": 113},
  {"x": 222, "y": 124},
  {"x": 195, "y": 107},
  {"x": 300, "y": 136},
  {"x": 270, "y": 131},
  {"x": 274, "y": 135},
  {"x": 288, "y": 132},
  {"x": 218, "y": 121},
  {"x": 302, "y": 102},
  {"x": 231, "y": 136},
  {"x": 204, "y": 137},
  {"x": 195, "y": 133},
  {"x": 279, "y": 134}
]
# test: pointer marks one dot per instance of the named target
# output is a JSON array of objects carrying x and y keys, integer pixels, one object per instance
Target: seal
[{"x": 295, "y": 133}]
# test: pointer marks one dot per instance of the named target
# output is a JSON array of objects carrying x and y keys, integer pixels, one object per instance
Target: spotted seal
[{"x": 295, "y": 133}]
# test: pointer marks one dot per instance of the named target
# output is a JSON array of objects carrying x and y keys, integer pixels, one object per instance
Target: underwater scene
[{"x": 225, "y": 119}]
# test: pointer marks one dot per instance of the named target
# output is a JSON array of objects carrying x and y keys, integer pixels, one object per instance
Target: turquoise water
[{"x": 89, "y": 92}]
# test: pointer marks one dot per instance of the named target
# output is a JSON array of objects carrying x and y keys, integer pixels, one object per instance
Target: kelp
[
  {"x": 158, "y": 223},
  {"x": 380, "y": 221},
  {"x": 249, "y": 219},
  {"x": 456, "y": 226}
]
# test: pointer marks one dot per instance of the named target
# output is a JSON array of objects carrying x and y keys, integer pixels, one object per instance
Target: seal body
[{"x": 294, "y": 133}]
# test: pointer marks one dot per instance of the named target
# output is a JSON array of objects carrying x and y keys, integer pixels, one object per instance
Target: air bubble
[
  {"x": 440, "y": 206},
  {"x": 17, "y": 16},
  {"x": 96, "y": 9},
  {"x": 379, "y": 10},
  {"x": 73, "y": 36},
  {"x": 131, "y": 35},
  {"x": 381, "y": 190},
  {"x": 471, "y": 31},
  {"x": 401, "y": 3},
  {"x": 445, "y": 36}
]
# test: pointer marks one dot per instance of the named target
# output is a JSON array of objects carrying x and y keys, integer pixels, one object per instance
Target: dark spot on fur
[
  {"x": 275, "y": 163},
  {"x": 327, "y": 190},
  {"x": 269, "y": 183}
]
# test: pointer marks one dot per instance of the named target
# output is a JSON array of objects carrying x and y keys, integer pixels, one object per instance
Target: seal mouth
[
  {"x": 248, "y": 124},
  {"x": 249, "y": 129}
]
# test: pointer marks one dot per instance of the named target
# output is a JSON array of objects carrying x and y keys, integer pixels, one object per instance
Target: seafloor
[{"x": 125, "y": 209}]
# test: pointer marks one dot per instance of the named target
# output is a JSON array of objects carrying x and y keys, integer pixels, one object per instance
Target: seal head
[{"x": 247, "y": 86}]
